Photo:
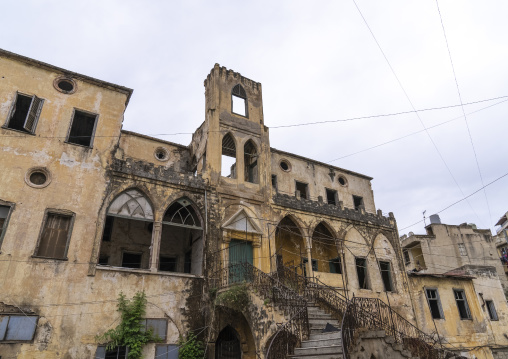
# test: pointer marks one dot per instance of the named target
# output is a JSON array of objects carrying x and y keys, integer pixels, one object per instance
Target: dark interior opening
[{"x": 82, "y": 129}]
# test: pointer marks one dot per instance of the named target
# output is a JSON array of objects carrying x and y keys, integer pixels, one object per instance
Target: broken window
[
  {"x": 302, "y": 188},
  {"x": 331, "y": 196},
  {"x": 386, "y": 275},
  {"x": 228, "y": 164},
  {"x": 166, "y": 351},
  {"x": 239, "y": 101},
  {"x": 4, "y": 218},
  {"x": 116, "y": 353},
  {"x": 358, "y": 202},
  {"x": 460, "y": 299},
  {"x": 274, "y": 182},
  {"x": 336, "y": 265},
  {"x": 181, "y": 248},
  {"x": 82, "y": 128},
  {"x": 127, "y": 233},
  {"x": 361, "y": 271},
  {"x": 24, "y": 113},
  {"x": 491, "y": 309},
  {"x": 407, "y": 258},
  {"x": 55, "y": 236},
  {"x": 17, "y": 327},
  {"x": 250, "y": 162},
  {"x": 434, "y": 303},
  {"x": 462, "y": 249}
]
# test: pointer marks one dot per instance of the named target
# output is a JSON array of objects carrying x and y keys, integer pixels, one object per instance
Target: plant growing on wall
[
  {"x": 236, "y": 297},
  {"x": 130, "y": 332},
  {"x": 190, "y": 347}
]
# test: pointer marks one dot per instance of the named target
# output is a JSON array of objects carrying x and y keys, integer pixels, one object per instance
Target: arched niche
[
  {"x": 181, "y": 245},
  {"x": 290, "y": 246},
  {"x": 325, "y": 250},
  {"x": 250, "y": 162},
  {"x": 228, "y": 158},
  {"x": 127, "y": 234}
]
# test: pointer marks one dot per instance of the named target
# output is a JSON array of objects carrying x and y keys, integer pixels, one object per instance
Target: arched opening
[
  {"x": 325, "y": 250},
  {"x": 290, "y": 247},
  {"x": 250, "y": 156},
  {"x": 127, "y": 235},
  {"x": 228, "y": 159},
  {"x": 239, "y": 101},
  {"x": 228, "y": 344},
  {"x": 181, "y": 247}
]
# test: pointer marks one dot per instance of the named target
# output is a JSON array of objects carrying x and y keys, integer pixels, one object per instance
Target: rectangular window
[
  {"x": 358, "y": 202},
  {"x": 239, "y": 106},
  {"x": 17, "y": 327},
  {"x": 82, "y": 128},
  {"x": 407, "y": 258},
  {"x": 462, "y": 249},
  {"x": 4, "y": 218},
  {"x": 460, "y": 299},
  {"x": 386, "y": 275},
  {"x": 336, "y": 265},
  {"x": 491, "y": 309},
  {"x": 24, "y": 113},
  {"x": 55, "y": 236},
  {"x": 131, "y": 260},
  {"x": 361, "y": 271},
  {"x": 434, "y": 303},
  {"x": 159, "y": 327},
  {"x": 167, "y": 264},
  {"x": 166, "y": 351},
  {"x": 117, "y": 353},
  {"x": 274, "y": 182},
  {"x": 303, "y": 189},
  {"x": 331, "y": 196}
]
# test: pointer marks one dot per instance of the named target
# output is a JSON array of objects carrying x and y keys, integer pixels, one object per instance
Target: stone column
[
  {"x": 308, "y": 246},
  {"x": 156, "y": 246}
]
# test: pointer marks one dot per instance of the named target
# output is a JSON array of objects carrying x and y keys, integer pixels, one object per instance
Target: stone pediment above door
[{"x": 241, "y": 222}]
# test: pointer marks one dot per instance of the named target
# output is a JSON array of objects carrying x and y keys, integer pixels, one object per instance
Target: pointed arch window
[
  {"x": 127, "y": 235},
  {"x": 239, "y": 101},
  {"x": 251, "y": 162},
  {"x": 228, "y": 159},
  {"x": 325, "y": 250},
  {"x": 181, "y": 246}
]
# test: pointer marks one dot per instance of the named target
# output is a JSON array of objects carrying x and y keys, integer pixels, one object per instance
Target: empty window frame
[
  {"x": 407, "y": 257},
  {"x": 336, "y": 265},
  {"x": 386, "y": 275},
  {"x": 17, "y": 327},
  {"x": 314, "y": 265},
  {"x": 462, "y": 249},
  {"x": 434, "y": 303},
  {"x": 228, "y": 159},
  {"x": 460, "y": 299},
  {"x": 55, "y": 235},
  {"x": 24, "y": 113},
  {"x": 491, "y": 309},
  {"x": 358, "y": 202},
  {"x": 274, "y": 182},
  {"x": 168, "y": 264},
  {"x": 82, "y": 129},
  {"x": 239, "y": 101},
  {"x": 303, "y": 189},
  {"x": 361, "y": 271},
  {"x": 331, "y": 196},
  {"x": 166, "y": 351},
  {"x": 131, "y": 260},
  {"x": 250, "y": 162},
  {"x": 116, "y": 353},
  {"x": 5, "y": 213}
]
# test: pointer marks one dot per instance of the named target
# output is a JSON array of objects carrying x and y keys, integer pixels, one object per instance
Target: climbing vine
[
  {"x": 236, "y": 297},
  {"x": 130, "y": 332},
  {"x": 190, "y": 347}
]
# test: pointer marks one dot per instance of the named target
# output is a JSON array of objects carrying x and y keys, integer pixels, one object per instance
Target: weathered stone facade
[{"x": 110, "y": 211}]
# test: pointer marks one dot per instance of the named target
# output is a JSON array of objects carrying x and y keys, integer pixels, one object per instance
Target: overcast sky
[{"x": 317, "y": 61}]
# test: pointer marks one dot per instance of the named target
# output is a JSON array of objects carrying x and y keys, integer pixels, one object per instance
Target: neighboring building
[
  {"x": 458, "y": 287},
  {"x": 88, "y": 210},
  {"x": 501, "y": 241}
]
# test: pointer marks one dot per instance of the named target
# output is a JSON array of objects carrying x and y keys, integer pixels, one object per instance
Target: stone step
[
  {"x": 319, "y": 316},
  {"x": 323, "y": 356},
  {"x": 323, "y": 322},
  {"x": 327, "y": 335},
  {"x": 321, "y": 342},
  {"x": 331, "y": 349}
]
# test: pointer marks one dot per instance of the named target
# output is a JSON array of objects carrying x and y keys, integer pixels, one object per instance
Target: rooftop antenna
[{"x": 424, "y": 224}]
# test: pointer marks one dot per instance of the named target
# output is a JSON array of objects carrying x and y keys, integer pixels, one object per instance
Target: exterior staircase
[{"x": 320, "y": 345}]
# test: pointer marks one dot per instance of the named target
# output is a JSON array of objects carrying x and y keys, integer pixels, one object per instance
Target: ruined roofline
[
  {"x": 223, "y": 71},
  {"x": 97, "y": 82},
  {"x": 443, "y": 275},
  {"x": 154, "y": 139},
  {"x": 321, "y": 163},
  {"x": 462, "y": 225}
]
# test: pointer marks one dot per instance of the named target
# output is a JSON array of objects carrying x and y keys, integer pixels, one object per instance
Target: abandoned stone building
[{"x": 89, "y": 211}]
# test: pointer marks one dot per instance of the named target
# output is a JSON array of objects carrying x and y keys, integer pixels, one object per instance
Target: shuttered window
[
  {"x": 25, "y": 113},
  {"x": 4, "y": 217},
  {"x": 55, "y": 236}
]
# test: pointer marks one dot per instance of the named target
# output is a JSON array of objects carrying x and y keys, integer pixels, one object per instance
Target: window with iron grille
[
  {"x": 434, "y": 303},
  {"x": 460, "y": 299},
  {"x": 24, "y": 113},
  {"x": 55, "y": 235}
]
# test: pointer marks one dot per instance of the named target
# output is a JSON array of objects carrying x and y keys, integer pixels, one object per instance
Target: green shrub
[
  {"x": 236, "y": 297},
  {"x": 190, "y": 347}
]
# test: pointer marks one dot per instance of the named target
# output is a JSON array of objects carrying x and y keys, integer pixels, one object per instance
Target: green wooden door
[{"x": 239, "y": 252}]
